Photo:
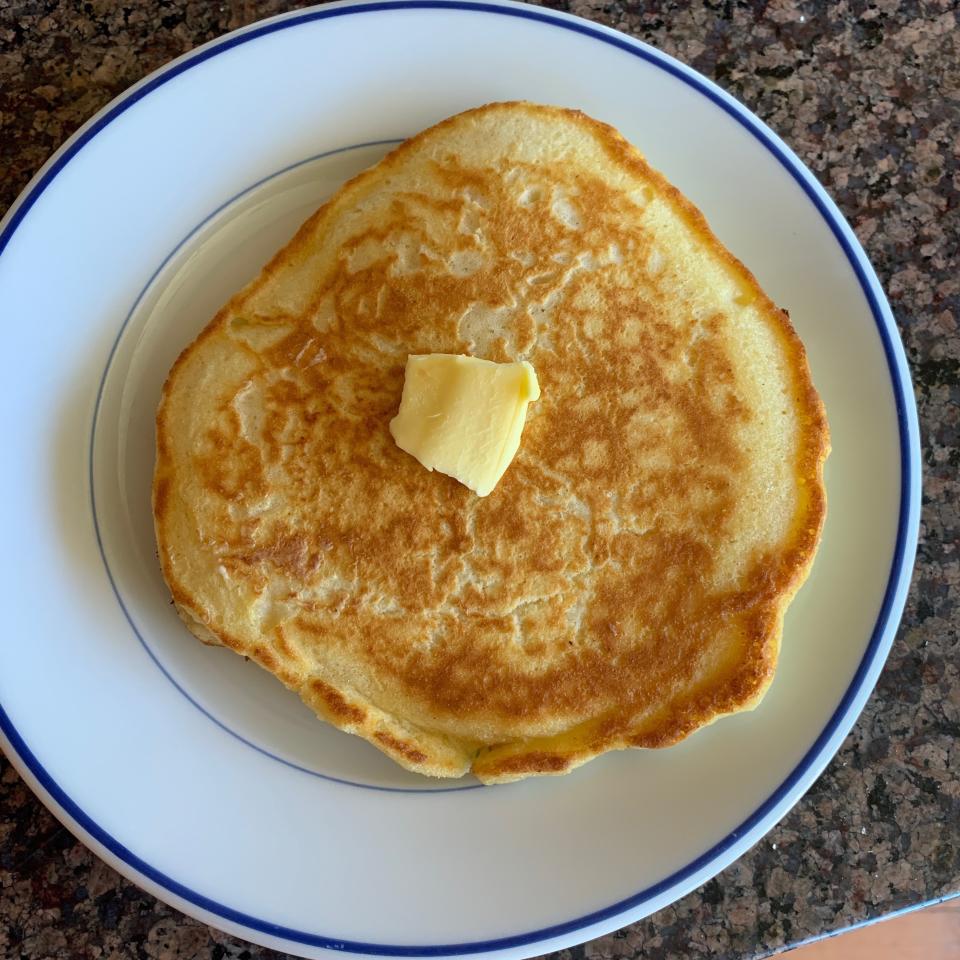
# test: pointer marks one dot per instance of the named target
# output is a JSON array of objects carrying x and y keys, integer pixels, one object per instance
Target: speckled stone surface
[{"x": 868, "y": 94}]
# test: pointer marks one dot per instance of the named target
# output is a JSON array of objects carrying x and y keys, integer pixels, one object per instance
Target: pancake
[{"x": 626, "y": 581}]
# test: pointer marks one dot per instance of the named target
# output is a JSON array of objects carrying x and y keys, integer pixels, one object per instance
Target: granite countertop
[{"x": 868, "y": 94}]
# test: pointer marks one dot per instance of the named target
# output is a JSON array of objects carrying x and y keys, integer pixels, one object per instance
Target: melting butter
[{"x": 463, "y": 416}]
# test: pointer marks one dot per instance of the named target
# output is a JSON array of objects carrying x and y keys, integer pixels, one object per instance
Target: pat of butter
[{"x": 463, "y": 416}]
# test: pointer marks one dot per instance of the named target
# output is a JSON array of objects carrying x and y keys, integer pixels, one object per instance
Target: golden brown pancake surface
[{"x": 624, "y": 583}]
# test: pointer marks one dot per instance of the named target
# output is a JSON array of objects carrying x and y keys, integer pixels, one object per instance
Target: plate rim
[{"x": 864, "y": 679}]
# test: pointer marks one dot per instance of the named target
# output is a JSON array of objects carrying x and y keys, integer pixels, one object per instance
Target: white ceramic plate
[{"x": 197, "y": 775}]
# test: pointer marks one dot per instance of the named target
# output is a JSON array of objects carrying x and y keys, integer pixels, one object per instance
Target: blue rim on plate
[{"x": 894, "y": 596}]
